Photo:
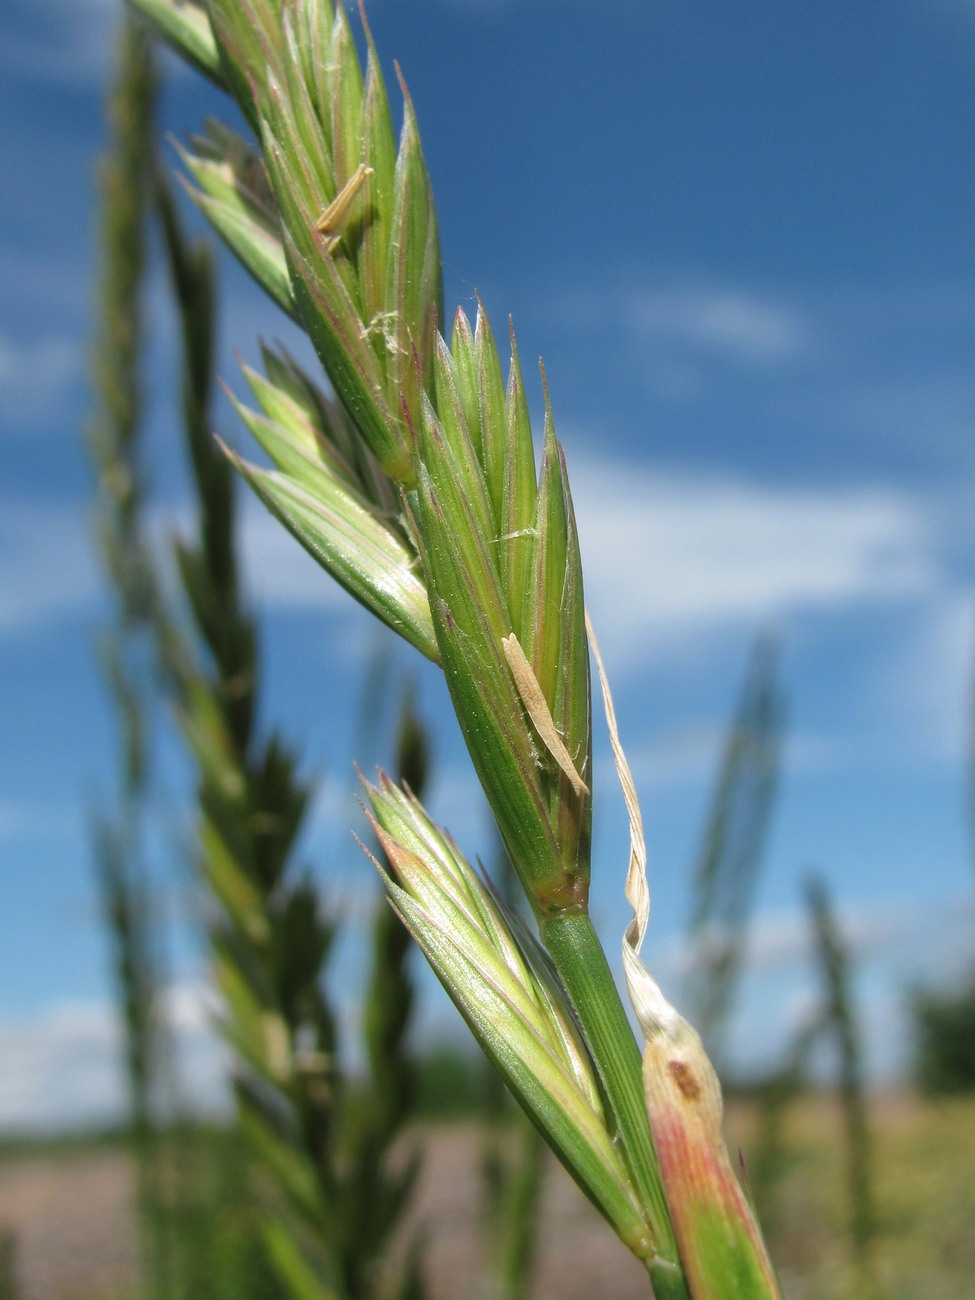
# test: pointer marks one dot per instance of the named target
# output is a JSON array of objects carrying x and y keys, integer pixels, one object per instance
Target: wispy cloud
[
  {"x": 42, "y": 285},
  {"x": 59, "y": 40},
  {"x": 48, "y": 565},
  {"x": 669, "y": 557},
  {"x": 879, "y": 365},
  {"x": 782, "y": 941},
  {"x": 35, "y": 376},
  {"x": 955, "y": 10},
  {"x": 50, "y": 570},
  {"x": 14, "y": 819},
  {"x": 39, "y": 821},
  {"x": 893, "y": 944},
  {"x": 929, "y": 672},
  {"x": 674, "y": 755},
  {"x": 63, "y": 1065},
  {"x": 739, "y": 326}
]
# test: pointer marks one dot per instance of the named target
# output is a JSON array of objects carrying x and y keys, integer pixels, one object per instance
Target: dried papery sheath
[{"x": 721, "y": 1247}]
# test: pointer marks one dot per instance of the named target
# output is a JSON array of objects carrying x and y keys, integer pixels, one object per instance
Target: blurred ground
[
  {"x": 72, "y": 1218},
  {"x": 72, "y": 1222}
]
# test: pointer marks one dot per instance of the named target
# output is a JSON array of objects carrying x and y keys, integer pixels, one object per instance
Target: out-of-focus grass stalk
[
  {"x": 839, "y": 1022},
  {"x": 770, "y": 1158},
  {"x": 378, "y": 1197},
  {"x": 834, "y": 1021},
  {"x": 327, "y": 1149},
  {"x": 126, "y": 646},
  {"x": 970, "y": 801},
  {"x": 733, "y": 848},
  {"x": 126, "y": 905},
  {"x": 389, "y": 994},
  {"x": 944, "y": 1019},
  {"x": 9, "y": 1289},
  {"x": 728, "y": 868},
  {"x": 268, "y": 939}
]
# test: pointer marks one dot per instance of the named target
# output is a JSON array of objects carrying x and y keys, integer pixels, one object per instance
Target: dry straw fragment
[
  {"x": 336, "y": 217},
  {"x": 536, "y": 706}
]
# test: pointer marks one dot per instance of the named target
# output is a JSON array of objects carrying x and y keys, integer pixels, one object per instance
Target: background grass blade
[
  {"x": 120, "y": 836},
  {"x": 733, "y": 846}
]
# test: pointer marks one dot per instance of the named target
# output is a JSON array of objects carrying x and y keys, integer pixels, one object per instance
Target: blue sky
[{"x": 741, "y": 237}]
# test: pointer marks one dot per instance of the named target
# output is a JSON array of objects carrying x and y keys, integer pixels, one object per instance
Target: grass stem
[{"x": 579, "y": 958}]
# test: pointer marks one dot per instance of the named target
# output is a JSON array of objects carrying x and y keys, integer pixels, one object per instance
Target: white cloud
[
  {"x": 673, "y": 562},
  {"x": 63, "y": 1066},
  {"x": 47, "y": 564},
  {"x": 668, "y": 557},
  {"x": 779, "y": 942},
  {"x": 34, "y": 377},
  {"x": 691, "y": 752},
  {"x": 737, "y": 326},
  {"x": 781, "y": 939},
  {"x": 280, "y": 574},
  {"x": 50, "y": 570},
  {"x": 64, "y": 1059},
  {"x": 929, "y": 672},
  {"x": 892, "y": 944},
  {"x": 675, "y": 755}
]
